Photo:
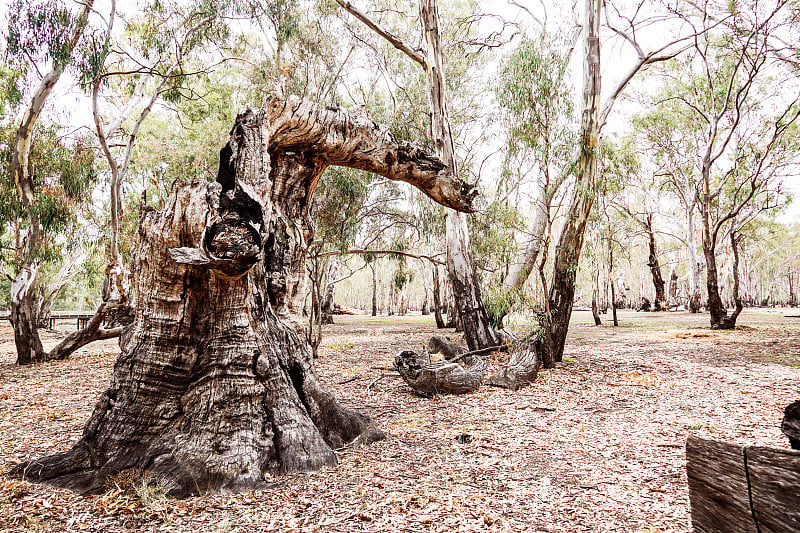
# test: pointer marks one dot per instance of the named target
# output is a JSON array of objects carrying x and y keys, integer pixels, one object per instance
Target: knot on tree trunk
[{"x": 231, "y": 242}]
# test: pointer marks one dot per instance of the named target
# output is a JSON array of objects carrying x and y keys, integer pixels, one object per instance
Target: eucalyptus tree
[
  {"x": 536, "y": 96},
  {"x": 641, "y": 202},
  {"x": 669, "y": 137},
  {"x": 594, "y": 115},
  {"x": 464, "y": 281},
  {"x": 43, "y": 41},
  {"x": 729, "y": 94}
]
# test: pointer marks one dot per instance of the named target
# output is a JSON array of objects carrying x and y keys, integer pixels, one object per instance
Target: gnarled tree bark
[{"x": 214, "y": 387}]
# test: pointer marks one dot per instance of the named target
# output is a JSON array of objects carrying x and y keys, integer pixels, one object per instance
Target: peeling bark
[
  {"x": 460, "y": 264},
  {"x": 214, "y": 387}
]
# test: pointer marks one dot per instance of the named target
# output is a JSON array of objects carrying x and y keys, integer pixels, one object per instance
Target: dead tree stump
[{"x": 214, "y": 388}]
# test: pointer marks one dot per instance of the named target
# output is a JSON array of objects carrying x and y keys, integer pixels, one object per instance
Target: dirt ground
[{"x": 593, "y": 445}]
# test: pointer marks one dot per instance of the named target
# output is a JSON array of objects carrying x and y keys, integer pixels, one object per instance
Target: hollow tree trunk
[
  {"x": 214, "y": 386},
  {"x": 660, "y": 303},
  {"x": 565, "y": 267}
]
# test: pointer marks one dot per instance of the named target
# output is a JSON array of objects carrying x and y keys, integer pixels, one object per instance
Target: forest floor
[{"x": 596, "y": 444}]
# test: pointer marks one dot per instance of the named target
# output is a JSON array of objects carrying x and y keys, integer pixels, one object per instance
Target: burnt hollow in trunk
[{"x": 214, "y": 388}]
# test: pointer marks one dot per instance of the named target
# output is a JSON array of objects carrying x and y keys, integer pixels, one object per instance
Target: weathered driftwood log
[
  {"x": 791, "y": 424},
  {"x": 522, "y": 368},
  {"x": 742, "y": 489},
  {"x": 214, "y": 387},
  {"x": 443, "y": 345},
  {"x": 463, "y": 374}
]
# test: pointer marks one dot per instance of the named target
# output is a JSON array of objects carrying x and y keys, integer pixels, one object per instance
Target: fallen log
[
  {"x": 742, "y": 489},
  {"x": 521, "y": 369},
  {"x": 448, "y": 377}
]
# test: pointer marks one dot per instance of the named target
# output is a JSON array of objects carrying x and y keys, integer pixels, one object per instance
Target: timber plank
[
  {"x": 775, "y": 488},
  {"x": 718, "y": 491}
]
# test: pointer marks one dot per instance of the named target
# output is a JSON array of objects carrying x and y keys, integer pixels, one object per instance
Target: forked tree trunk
[
  {"x": 214, "y": 386},
  {"x": 595, "y": 310},
  {"x": 720, "y": 319},
  {"x": 24, "y": 315},
  {"x": 24, "y": 305}
]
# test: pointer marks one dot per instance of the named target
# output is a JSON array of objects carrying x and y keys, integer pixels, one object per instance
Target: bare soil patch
[{"x": 594, "y": 445}]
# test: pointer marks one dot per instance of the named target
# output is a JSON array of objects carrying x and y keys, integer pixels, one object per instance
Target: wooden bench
[
  {"x": 743, "y": 489},
  {"x": 81, "y": 318}
]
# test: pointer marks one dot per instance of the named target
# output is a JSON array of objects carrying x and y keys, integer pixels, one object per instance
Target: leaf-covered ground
[{"x": 594, "y": 445}]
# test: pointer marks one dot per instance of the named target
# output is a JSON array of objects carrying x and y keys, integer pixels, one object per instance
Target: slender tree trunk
[
  {"x": 437, "y": 297},
  {"x": 565, "y": 267},
  {"x": 716, "y": 307},
  {"x": 526, "y": 262},
  {"x": 374, "y": 290},
  {"x": 611, "y": 283},
  {"x": 673, "y": 288},
  {"x": 214, "y": 386},
  {"x": 660, "y": 303},
  {"x": 326, "y": 305},
  {"x": 595, "y": 311},
  {"x": 694, "y": 265},
  {"x": 730, "y": 322},
  {"x": 460, "y": 264},
  {"x": 425, "y": 307}
]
